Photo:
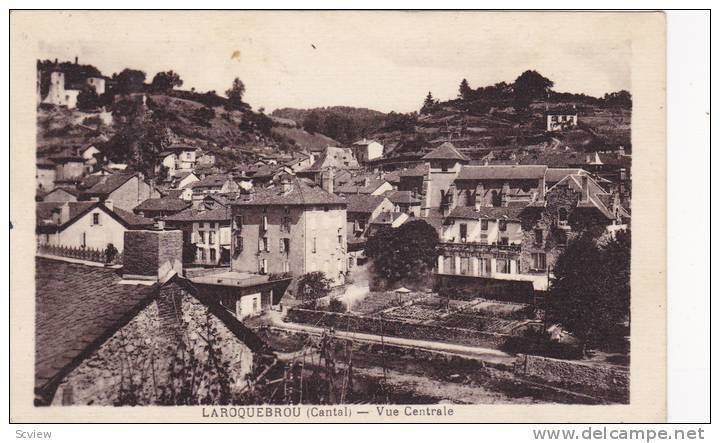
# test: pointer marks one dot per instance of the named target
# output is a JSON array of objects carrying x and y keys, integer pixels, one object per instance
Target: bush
[{"x": 335, "y": 305}]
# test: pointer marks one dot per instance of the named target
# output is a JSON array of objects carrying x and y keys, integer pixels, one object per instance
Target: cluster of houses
[{"x": 233, "y": 242}]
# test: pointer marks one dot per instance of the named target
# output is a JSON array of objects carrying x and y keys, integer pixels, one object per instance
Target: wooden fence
[{"x": 88, "y": 254}]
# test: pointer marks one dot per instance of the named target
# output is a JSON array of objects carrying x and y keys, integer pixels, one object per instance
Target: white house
[
  {"x": 366, "y": 150},
  {"x": 91, "y": 225}
]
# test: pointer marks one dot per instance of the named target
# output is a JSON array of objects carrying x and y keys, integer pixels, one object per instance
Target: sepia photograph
[{"x": 338, "y": 214}]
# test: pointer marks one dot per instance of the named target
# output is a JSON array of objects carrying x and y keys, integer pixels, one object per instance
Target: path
[{"x": 486, "y": 354}]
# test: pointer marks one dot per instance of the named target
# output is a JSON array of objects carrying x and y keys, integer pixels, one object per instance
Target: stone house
[
  {"x": 498, "y": 186},
  {"x": 92, "y": 346},
  {"x": 334, "y": 157},
  {"x": 575, "y": 205},
  {"x": 91, "y": 225},
  {"x": 126, "y": 191},
  {"x": 295, "y": 226}
]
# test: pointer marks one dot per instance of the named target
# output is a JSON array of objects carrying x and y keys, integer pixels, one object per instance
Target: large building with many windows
[{"x": 293, "y": 227}]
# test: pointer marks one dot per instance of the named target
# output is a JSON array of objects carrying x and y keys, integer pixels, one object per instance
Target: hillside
[
  {"x": 232, "y": 135},
  {"x": 480, "y": 128},
  {"x": 342, "y": 123}
]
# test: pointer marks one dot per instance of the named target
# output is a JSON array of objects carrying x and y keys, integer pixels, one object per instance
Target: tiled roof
[
  {"x": 595, "y": 192},
  {"x": 446, "y": 151},
  {"x": 163, "y": 204},
  {"x": 392, "y": 177},
  {"x": 102, "y": 185},
  {"x": 77, "y": 308},
  {"x": 402, "y": 197},
  {"x": 69, "y": 189},
  {"x": 365, "y": 184},
  {"x": 386, "y": 218},
  {"x": 173, "y": 193},
  {"x": 507, "y": 172},
  {"x": 190, "y": 215},
  {"x": 301, "y": 192},
  {"x": 211, "y": 181},
  {"x": 44, "y": 162},
  {"x": 363, "y": 203},
  {"x": 554, "y": 175},
  {"x": 132, "y": 220},
  {"x": 416, "y": 171},
  {"x": 44, "y": 210},
  {"x": 493, "y": 213}
]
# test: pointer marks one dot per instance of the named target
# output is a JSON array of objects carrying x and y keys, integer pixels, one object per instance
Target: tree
[
  {"x": 405, "y": 252},
  {"x": 620, "y": 98},
  {"x": 590, "y": 296},
  {"x": 166, "y": 81},
  {"x": 235, "y": 95},
  {"x": 528, "y": 86},
  {"x": 313, "y": 285},
  {"x": 465, "y": 90},
  {"x": 88, "y": 99},
  {"x": 312, "y": 122},
  {"x": 129, "y": 81},
  {"x": 429, "y": 104}
]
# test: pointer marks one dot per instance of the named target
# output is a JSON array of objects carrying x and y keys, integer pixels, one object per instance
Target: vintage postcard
[{"x": 337, "y": 216}]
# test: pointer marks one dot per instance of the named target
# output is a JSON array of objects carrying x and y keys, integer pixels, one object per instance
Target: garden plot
[
  {"x": 376, "y": 302},
  {"x": 492, "y": 308}
]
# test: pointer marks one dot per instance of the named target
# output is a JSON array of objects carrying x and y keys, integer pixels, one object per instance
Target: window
[
  {"x": 96, "y": 219},
  {"x": 562, "y": 217},
  {"x": 202, "y": 236},
  {"x": 496, "y": 199},
  {"x": 539, "y": 261},
  {"x": 326, "y": 209},
  {"x": 464, "y": 265},
  {"x": 561, "y": 238},
  {"x": 263, "y": 266},
  {"x": 340, "y": 236},
  {"x": 484, "y": 225},
  {"x": 264, "y": 224},
  {"x": 266, "y": 244},
  {"x": 503, "y": 265},
  {"x": 484, "y": 266},
  {"x": 538, "y": 236},
  {"x": 238, "y": 243},
  {"x": 213, "y": 255},
  {"x": 239, "y": 222},
  {"x": 286, "y": 266},
  {"x": 504, "y": 241},
  {"x": 314, "y": 245},
  {"x": 84, "y": 240},
  {"x": 285, "y": 227},
  {"x": 203, "y": 254},
  {"x": 463, "y": 232},
  {"x": 211, "y": 237},
  {"x": 503, "y": 225}
]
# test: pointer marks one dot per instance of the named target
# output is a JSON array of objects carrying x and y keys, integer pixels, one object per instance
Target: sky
[{"x": 386, "y": 61}]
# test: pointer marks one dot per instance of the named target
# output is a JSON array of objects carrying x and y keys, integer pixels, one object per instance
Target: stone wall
[
  {"x": 152, "y": 253},
  {"x": 396, "y": 328},
  {"x": 134, "y": 365},
  {"x": 612, "y": 383}
]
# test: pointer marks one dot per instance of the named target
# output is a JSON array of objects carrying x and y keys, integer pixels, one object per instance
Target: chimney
[
  {"x": 64, "y": 212},
  {"x": 585, "y": 193},
  {"x": 152, "y": 255},
  {"x": 109, "y": 205},
  {"x": 76, "y": 59},
  {"x": 286, "y": 185},
  {"x": 327, "y": 179}
]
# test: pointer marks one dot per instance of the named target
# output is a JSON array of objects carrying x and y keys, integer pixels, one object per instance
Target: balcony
[{"x": 477, "y": 247}]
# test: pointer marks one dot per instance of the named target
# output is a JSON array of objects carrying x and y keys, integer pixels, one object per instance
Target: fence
[{"x": 80, "y": 253}]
